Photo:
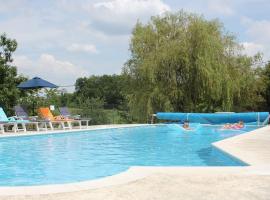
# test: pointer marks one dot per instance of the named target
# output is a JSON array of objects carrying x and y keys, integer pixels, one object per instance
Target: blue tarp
[{"x": 215, "y": 118}]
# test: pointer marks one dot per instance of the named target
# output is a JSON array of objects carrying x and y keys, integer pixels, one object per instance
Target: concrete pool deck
[
  {"x": 249, "y": 182},
  {"x": 252, "y": 147}
]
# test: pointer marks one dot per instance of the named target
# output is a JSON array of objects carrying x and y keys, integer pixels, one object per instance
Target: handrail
[
  {"x": 258, "y": 119},
  {"x": 266, "y": 120}
]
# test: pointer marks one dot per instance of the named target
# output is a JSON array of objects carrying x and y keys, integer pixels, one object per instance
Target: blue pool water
[{"x": 79, "y": 156}]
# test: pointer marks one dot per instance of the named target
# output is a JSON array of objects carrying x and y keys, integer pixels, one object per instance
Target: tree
[
  {"x": 106, "y": 87},
  {"x": 266, "y": 84},
  {"x": 8, "y": 74},
  {"x": 182, "y": 62}
]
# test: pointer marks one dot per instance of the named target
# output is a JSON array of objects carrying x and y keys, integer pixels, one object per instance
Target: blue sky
[{"x": 61, "y": 40}]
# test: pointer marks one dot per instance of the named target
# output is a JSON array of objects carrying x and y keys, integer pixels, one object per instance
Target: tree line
[{"x": 179, "y": 62}]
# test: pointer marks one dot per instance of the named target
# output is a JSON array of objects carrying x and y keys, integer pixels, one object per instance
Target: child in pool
[{"x": 186, "y": 125}]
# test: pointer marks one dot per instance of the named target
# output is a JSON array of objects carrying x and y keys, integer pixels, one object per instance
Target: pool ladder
[{"x": 265, "y": 122}]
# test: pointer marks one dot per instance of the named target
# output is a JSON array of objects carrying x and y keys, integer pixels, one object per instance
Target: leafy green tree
[
  {"x": 102, "y": 98},
  {"x": 106, "y": 87},
  {"x": 266, "y": 84},
  {"x": 182, "y": 62},
  {"x": 9, "y": 79},
  {"x": 92, "y": 108}
]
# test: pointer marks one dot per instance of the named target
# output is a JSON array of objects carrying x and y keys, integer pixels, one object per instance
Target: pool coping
[
  {"x": 235, "y": 146},
  {"x": 61, "y": 131}
]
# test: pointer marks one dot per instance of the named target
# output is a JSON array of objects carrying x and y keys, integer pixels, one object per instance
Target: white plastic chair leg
[
  {"x": 24, "y": 127},
  {"x": 2, "y": 129}
]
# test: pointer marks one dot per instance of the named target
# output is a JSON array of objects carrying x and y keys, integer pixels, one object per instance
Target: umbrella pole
[
  {"x": 33, "y": 109},
  {"x": 35, "y": 95}
]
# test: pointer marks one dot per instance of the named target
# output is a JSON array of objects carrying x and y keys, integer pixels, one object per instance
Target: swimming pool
[{"x": 80, "y": 156}]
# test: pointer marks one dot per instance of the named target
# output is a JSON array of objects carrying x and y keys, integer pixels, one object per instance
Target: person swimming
[
  {"x": 186, "y": 125},
  {"x": 238, "y": 125},
  {"x": 227, "y": 126}
]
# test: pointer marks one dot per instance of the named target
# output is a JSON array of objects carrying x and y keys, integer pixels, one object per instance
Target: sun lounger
[
  {"x": 13, "y": 122},
  {"x": 65, "y": 112},
  {"x": 21, "y": 112},
  {"x": 65, "y": 123}
]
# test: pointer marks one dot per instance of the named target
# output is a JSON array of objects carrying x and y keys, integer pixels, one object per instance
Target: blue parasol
[{"x": 36, "y": 83}]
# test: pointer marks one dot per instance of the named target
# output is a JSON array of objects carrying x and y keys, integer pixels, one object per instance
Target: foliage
[
  {"x": 106, "y": 87},
  {"x": 265, "y": 74},
  {"x": 182, "y": 62},
  {"x": 9, "y": 93},
  {"x": 92, "y": 108}
]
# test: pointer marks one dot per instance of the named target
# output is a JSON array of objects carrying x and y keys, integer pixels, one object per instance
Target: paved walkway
[{"x": 182, "y": 184}]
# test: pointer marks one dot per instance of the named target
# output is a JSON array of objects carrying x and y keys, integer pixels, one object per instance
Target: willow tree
[{"x": 183, "y": 62}]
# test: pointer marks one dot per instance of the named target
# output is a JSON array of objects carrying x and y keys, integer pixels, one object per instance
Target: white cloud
[
  {"x": 48, "y": 67},
  {"x": 131, "y": 7},
  {"x": 114, "y": 17},
  {"x": 88, "y": 48},
  {"x": 251, "y": 48},
  {"x": 258, "y": 31},
  {"x": 119, "y": 16},
  {"x": 222, "y": 7},
  {"x": 7, "y": 6}
]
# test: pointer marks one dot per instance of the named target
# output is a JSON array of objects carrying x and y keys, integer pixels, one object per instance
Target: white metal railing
[{"x": 266, "y": 120}]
